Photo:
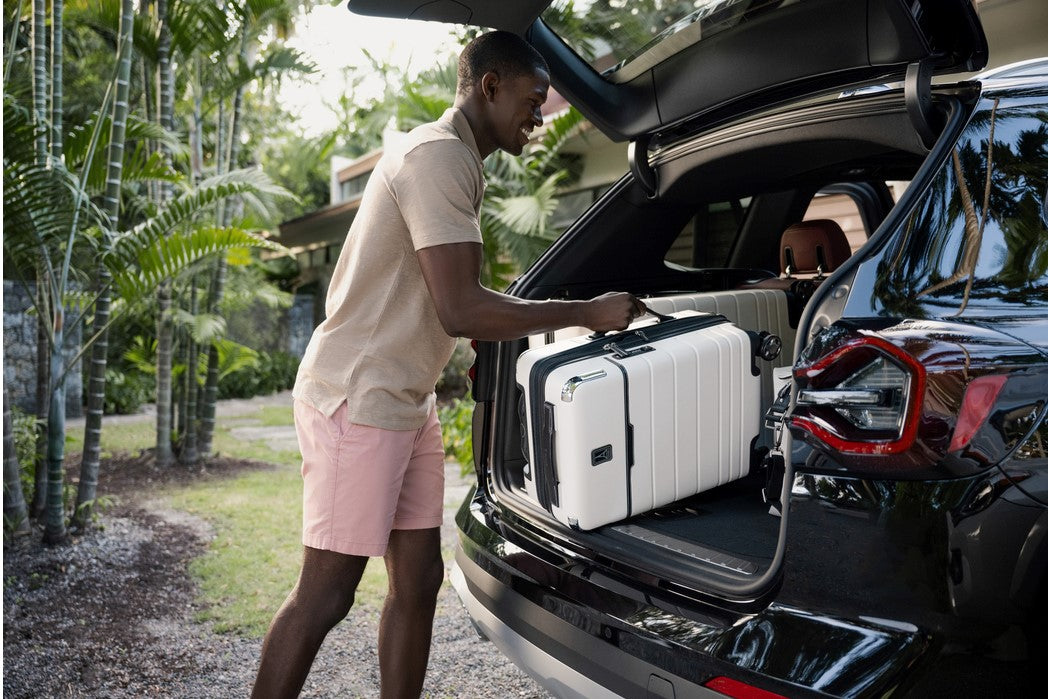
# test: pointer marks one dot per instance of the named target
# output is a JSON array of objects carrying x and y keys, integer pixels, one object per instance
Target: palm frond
[
  {"x": 543, "y": 156},
  {"x": 233, "y": 356},
  {"x": 185, "y": 208},
  {"x": 197, "y": 24},
  {"x": 39, "y": 198},
  {"x": 527, "y": 214},
  {"x": 78, "y": 140},
  {"x": 159, "y": 258},
  {"x": 204, "y": 328},
  {"x": 141, "y": 353}
]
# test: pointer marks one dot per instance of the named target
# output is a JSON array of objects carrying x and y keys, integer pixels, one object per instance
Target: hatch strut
[
  {"x": 643, "y": 172},
  {"x": 918, "y": 91}
]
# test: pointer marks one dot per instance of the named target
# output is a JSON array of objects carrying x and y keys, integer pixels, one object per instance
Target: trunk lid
[{"x": 643, "y": 67}]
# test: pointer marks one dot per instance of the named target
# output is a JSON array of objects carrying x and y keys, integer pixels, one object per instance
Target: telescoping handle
[{"x": 661, "y": 317}]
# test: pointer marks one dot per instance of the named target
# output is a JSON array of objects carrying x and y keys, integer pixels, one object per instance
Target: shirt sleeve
[{"x": 438, "y": 190}]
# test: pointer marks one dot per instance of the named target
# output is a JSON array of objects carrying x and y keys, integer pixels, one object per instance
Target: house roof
[{"x": 321, "y": 226}]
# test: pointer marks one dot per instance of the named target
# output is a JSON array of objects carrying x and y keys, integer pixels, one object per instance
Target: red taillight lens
[
  {"x": 864, "y": 397},
  {"x": 740, "y": 690},
  {"x": 979, "y": 399}
]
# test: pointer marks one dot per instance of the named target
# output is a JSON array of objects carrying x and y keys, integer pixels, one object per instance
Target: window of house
[{"x": 354, "y": 186}]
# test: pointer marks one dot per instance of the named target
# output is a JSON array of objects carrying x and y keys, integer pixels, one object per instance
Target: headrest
[{"x": 813, "y": 246}]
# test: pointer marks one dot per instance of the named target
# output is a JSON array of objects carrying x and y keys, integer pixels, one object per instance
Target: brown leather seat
[{"x": 813, "y": 247}]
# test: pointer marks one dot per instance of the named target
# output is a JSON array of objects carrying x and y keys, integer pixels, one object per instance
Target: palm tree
[
  {"x": 99, "y": 350},
  {"x": 16, "y": 515},
  {"x": 255, "y": 17},
  {"x": 165, "y": 334}
]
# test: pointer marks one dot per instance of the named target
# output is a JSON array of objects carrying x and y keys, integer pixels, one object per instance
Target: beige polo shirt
[{"x": 382, "y": 347}]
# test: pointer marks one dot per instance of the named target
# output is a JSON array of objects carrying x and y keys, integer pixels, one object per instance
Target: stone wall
[{"x": 20, "y": 352}]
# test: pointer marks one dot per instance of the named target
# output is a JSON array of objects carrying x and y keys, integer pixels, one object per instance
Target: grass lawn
[{"x": 254, "y": 559}]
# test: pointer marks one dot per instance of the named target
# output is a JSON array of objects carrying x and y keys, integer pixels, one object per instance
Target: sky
[{"x": 332, "y": 37}]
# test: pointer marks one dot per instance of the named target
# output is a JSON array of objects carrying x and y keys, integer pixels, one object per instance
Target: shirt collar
[{"x": 465, "y": 131}]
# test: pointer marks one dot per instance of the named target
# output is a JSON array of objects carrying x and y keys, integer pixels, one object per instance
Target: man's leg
[
  {"x": 416, "y": 572},
  {"x": 321, "y": 598}
]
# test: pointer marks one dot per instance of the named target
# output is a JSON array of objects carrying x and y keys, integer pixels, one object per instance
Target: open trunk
[{"x": 709, "y": 242}]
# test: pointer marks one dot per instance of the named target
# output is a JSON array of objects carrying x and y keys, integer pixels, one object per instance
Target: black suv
[{"x": 891, "y": 537}]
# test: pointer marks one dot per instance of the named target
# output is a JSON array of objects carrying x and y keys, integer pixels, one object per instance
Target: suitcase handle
[{"x": 661, "y": 317}]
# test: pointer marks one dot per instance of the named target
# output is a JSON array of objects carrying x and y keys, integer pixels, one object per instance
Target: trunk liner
[{"x": 732, "y": 531}]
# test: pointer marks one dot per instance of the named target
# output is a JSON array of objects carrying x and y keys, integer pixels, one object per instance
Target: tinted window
[
  {"x": 842, "y": 209},
  {"x": 707, "y": 239},
  {"x": 610, "y": 33},
  {"x": 978, "y": 240}
]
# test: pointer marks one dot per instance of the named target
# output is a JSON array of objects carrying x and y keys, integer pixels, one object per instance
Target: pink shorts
[{"x": 362, "y": 482}]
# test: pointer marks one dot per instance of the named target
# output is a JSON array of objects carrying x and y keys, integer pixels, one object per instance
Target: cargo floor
[{"x": 728, "y": 527}]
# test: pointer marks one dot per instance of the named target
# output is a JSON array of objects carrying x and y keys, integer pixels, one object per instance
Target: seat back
[{"x": 816, "y": 247}]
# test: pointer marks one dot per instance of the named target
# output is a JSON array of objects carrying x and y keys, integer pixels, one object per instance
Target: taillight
[
  {"x": 864, "y": 397},
  {"x": 979, "y": 398},
  {"x": 740, "y": 690},
  {"x": 922, "y": 399}
]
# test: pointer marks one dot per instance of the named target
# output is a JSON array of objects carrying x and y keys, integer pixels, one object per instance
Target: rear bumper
[
  {"x": 582, "y": 630},
  {"x": 518, "y": 627}
]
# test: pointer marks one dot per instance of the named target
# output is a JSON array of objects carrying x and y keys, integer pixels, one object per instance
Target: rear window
[
  {"x": 611, "y": 34},
  {"x": 978, "y": 243}
]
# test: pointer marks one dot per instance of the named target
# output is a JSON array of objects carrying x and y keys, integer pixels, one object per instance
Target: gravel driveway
[{"x": 112, "y": 616}]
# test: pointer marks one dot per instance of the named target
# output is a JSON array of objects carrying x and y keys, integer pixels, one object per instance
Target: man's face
[{"x": 515, "y": 110}]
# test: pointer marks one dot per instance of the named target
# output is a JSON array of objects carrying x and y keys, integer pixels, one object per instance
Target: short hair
[{"x": 503, "y": 52}]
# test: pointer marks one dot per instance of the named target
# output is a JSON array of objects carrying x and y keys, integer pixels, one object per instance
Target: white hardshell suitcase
[{"x": 618, "y": 425}]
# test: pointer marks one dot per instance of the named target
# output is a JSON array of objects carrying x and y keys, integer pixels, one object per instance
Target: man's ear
[{"x": 489, "y": 85}]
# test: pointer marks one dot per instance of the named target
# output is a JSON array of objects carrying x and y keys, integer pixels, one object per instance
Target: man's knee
[
  {"x": 327, "y": 585},
  {"x": 418, "y": 588},
  {"x": 416, "y": 570}
]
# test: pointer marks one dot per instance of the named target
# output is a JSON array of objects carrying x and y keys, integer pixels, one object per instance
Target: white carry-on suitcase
[{"x": 619, "y": 424}]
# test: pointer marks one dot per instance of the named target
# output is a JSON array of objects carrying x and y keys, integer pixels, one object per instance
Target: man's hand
[{"x": 612, "y": 311}]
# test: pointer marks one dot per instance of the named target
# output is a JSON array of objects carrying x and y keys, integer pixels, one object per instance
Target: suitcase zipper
[{"x": 629, "y": 435}]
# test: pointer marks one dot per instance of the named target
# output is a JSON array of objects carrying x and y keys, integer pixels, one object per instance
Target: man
[{"x": 406, "y": 284}]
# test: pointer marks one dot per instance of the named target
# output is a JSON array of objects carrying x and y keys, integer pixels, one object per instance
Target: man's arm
[{"x": 468, "y": 309}]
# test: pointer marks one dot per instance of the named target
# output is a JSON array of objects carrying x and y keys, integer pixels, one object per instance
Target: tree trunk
[
  {"x": 39, "y": 50},
  {"x": 57, "y": 57},
  {"x": 111, "y": 206},
  {"x": 43, "y": 396},
  {"x": 16, "y": 516},
  {"x": 190, "y": 455},
  {"x": 207, "y": 406},
  {"x": 165, "y": 327},
  {"x": 43, "y": 349},
  {"x": 54, "y": 525},
  {"x": 39, "y": 58},
  {"x": 207, "y": 420}
]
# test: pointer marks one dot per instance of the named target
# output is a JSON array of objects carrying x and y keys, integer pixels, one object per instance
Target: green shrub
[
  {"x": 284, "y": 368},
  {"x": 454, "y": 381},
  {"x": 25, "y": 430},
  {"x": 242, "y": 383},
  {"x": 126, "y": 392},
  {"x": 268, "y": 374},
  {"x": 456, "y": 421}
]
